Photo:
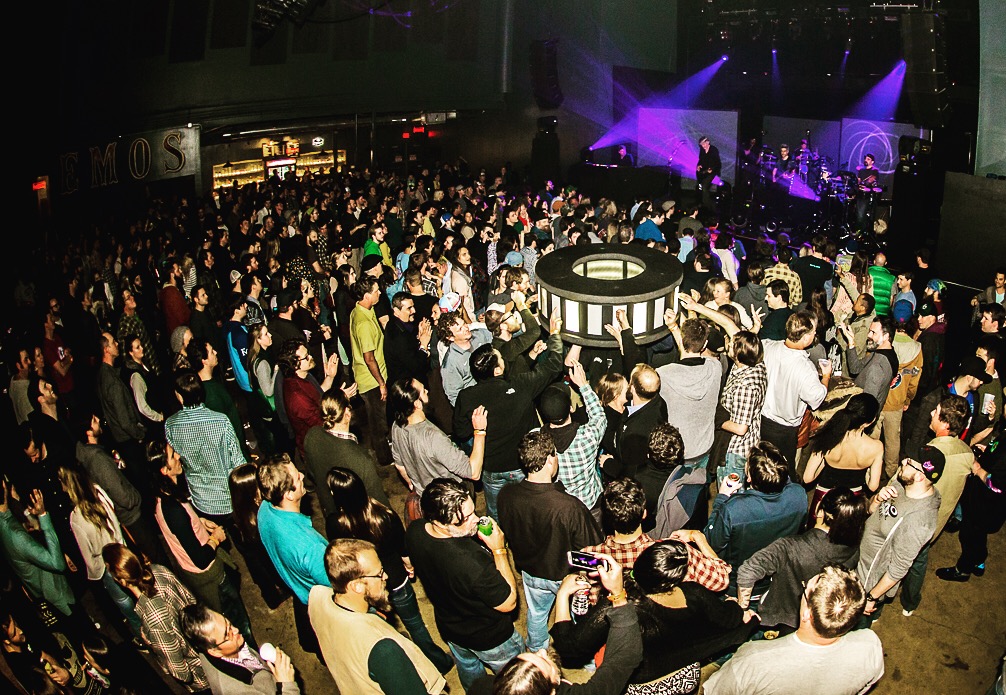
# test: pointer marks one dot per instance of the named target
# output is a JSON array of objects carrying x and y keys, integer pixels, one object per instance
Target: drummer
[{"x": 868, "y": 174}]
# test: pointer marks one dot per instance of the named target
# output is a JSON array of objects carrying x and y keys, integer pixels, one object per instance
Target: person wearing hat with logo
[
  {"x": 983, "y": 507},
  {"x": 902, "y": 521},
  {"x": 947, "y": 422},
  {"x": 932, "y": 331},
  {"x": 970, "y": 376},
  {"x": 904, "y": 385}
]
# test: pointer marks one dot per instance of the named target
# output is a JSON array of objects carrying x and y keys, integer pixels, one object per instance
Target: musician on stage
[
  {"x": 784, "y": 166},
  {"x": 869, "y": 188},
  {"x": 708, "y": 168},
  {"x": 806, "y": 158},
  {"x": 624, "y": 159},
  {"x": 868, "y": 173},
  {"x": 750, "y": 163}
]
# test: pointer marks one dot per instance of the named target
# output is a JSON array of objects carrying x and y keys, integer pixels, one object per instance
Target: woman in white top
[
  {"x": 95, "y": 525},
  {"x": 719, "y": 291},
  {"x": 461, "y": 281}
]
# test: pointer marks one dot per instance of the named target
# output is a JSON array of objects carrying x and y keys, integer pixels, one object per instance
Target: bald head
[
  {"x": 880, "y": 259},
  {"x": 645, "y": 384}
]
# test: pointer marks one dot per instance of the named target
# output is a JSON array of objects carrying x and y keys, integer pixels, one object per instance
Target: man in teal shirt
[
  {"x": 296, "y": 549},
  {"x": 41, "y": 567}
]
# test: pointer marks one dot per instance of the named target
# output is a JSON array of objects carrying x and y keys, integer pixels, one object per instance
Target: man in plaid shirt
[
  {"x": 577, "y": 444},
  {"x": 624, "y": 509},
  {"x": 782, "y": 271},
  {"x": 209, "y": 449}
]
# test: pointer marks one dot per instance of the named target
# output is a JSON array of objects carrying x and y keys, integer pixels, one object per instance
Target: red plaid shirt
[{"x": 712, "y": 573}]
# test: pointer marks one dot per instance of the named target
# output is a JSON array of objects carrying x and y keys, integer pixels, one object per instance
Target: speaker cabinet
[{"x": 545, "y": 74}]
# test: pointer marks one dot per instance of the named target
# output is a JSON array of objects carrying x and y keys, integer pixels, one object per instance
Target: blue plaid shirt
[
  {"x": 578, "y": 469},
  {"x": 210, "y": 450}
]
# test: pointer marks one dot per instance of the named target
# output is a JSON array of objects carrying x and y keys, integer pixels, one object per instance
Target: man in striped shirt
[{"x": 208, "y": 446}]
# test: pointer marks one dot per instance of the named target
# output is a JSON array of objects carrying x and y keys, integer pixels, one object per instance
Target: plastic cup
[{"x": 267, "y": 652}]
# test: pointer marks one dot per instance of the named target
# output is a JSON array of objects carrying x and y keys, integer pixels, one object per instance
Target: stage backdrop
[
  {"x": 879, "y": 138},
  {"x": 662, "y": 133},
  {"x": 824, "y": 136}
]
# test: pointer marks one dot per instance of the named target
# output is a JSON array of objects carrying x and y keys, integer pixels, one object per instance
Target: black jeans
[{"x": 784, "y": 437}]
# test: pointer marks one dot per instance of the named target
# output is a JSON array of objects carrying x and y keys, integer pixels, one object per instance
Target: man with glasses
[
  {"x": 231, "y": 665},
  {"x": 902, "y": 521},
  {"x": 362, "y": 651},
  {"x": 825, "y": 655},
  {"x": 468, "y": 581},
  {"x": 516, "y": 334},
  {"x": 301, "y": 392}
]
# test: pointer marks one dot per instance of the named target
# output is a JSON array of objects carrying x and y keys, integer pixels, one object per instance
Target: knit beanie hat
[{"x": 177, "y": 339}]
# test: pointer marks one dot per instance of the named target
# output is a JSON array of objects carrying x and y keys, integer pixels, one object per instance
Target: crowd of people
[{"x": 749, "y": 492}]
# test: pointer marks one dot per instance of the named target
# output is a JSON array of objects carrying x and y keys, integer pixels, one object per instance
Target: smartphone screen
[{"x": 583, "y": 561}]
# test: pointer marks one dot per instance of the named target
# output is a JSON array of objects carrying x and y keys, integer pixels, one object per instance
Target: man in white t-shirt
[
  {"x": 793, "y": 384},
  {"x": 824, "y": 656}
]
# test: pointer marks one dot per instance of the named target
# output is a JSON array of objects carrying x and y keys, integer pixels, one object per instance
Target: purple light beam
[{"x": 881, "y": 102}]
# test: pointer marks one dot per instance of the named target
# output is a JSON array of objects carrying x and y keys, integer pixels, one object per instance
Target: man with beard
[
  {"x": 362, "y": 651},
  {"x": 903, "y": 517},
  {"x": 468, "y": 581},
  {"x": 874, "y": 373}
]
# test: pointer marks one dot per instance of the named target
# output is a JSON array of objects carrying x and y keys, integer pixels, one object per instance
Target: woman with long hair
[
  {"x": 245, "y": 500},
  {"x": 857, "y": 280},
  {"x": 160, "y": 598},
  {"x": 357, "y": 515},
  {"x": 817, "y": 303},
  {"x": 145, "y": 385},
  {"x": 682, "y": 623},
  {"x": 262, "y": 408},
  {"x": 790, "y": 562},
  {"x": 195, "y": 542},
  {"x": 613, "y": 391},
  {"x": 842, "y": 454},
  {"x": 461, "y": 280},
  {"x": 95, "y": 525},
  {"x": 344, "y": 303}
]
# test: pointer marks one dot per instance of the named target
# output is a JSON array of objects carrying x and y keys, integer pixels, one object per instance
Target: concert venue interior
[{"x": 880, "y": 125}]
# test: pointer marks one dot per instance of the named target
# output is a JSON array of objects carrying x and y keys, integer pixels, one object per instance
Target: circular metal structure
[{"x": 585, "y": 285}]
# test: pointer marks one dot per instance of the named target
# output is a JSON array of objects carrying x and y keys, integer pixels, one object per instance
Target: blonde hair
[{"x": 85, "y": 496}]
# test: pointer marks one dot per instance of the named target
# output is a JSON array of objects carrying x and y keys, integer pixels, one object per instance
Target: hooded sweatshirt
[
  {"x": 905, "y": 383},
  {"x": 691, "y": 390}
]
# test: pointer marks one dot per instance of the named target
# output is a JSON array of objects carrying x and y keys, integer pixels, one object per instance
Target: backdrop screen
[
  {"x": 879, "y": 138},
  {"x": 665, "y": 133}
]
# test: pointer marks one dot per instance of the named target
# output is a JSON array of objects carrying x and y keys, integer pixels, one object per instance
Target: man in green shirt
[
  {"x": 369, "y": 369},
  {"x": 883, "y": 280}
]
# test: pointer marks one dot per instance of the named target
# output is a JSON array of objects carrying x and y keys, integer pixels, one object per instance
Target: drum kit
[{"x": 838, "y": 188}]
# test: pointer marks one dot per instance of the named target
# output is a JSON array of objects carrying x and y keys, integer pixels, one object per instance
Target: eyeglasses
[
  {"x": 228, "y": 634},
  {"x": 305, "y": 357},
  {"x": 381, "y": 575},
  {"x": 907, "y": 462}
]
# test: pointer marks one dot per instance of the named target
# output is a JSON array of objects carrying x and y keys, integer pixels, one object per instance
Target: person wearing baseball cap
[
  {"x": 902, "y": 521},
  {"x": 949, "y": 422},
  {"x": 983, "y": 507},
  {"x": 970, "y": 376}
]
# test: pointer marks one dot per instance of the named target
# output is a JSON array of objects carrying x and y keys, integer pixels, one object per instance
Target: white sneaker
[{"x": 907, "y": 614}]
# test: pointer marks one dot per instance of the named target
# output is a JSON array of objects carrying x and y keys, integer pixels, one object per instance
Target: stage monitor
[
  {"x": 879, "y": 138},
  {"x": 663, "y": 134}
]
